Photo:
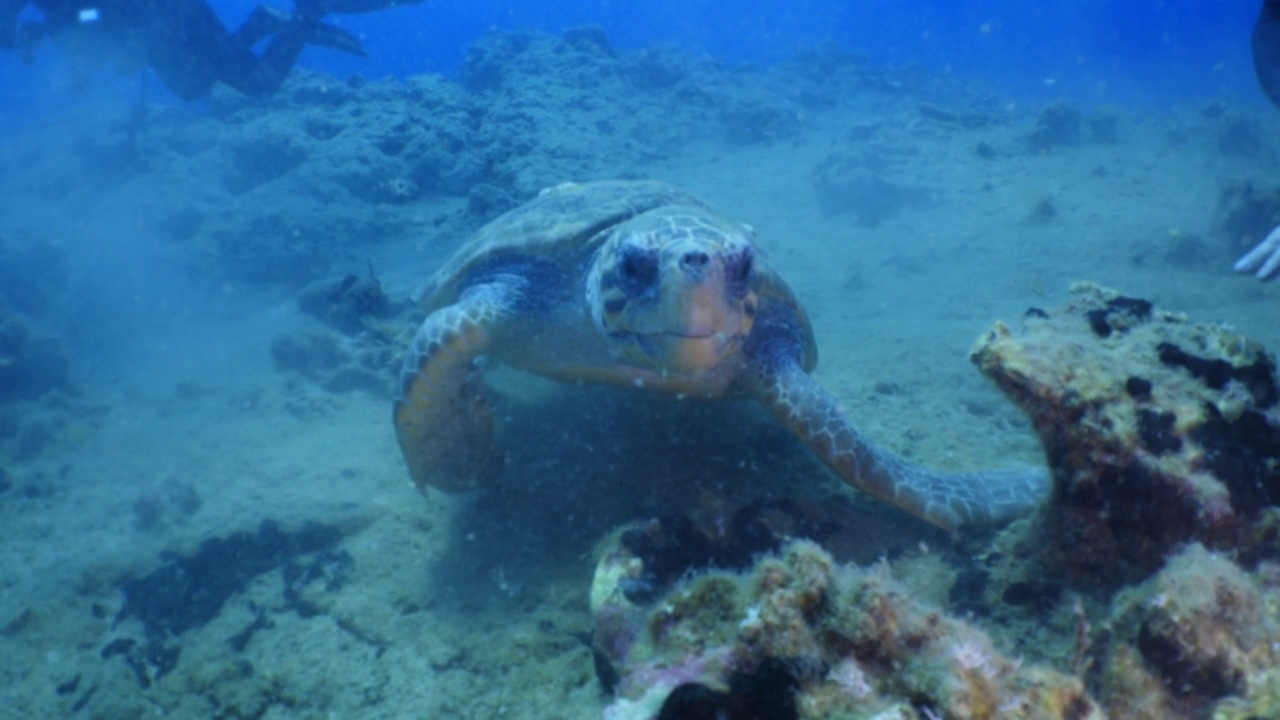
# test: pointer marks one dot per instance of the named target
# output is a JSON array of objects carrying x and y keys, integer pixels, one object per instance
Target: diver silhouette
[
  {"x": 1264, "y": 259},
  {"x": 183, "y": 41}
]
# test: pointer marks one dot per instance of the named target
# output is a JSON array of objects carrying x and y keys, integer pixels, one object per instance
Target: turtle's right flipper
[{"x": 442, "y": 415}]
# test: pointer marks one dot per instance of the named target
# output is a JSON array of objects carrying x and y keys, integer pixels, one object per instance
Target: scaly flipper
[
  {"x": 442, "y": 415},
  {"x": 947, "y": 500}
]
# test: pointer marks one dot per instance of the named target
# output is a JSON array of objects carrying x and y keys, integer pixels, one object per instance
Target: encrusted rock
[
  {"x": 808, "y": 639},
  {"x": 1158, "y": 431},
  {"x": 1199, "y": 631}
]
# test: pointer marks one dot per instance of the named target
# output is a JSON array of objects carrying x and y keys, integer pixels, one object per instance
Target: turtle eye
[
  {"x": 638, "y": 270},
  {"x": 737, "y": 273}
]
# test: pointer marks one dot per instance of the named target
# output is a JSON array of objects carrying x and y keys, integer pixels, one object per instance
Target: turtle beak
[
  {"x": 698, "y": 304},
  {"x": 705, "y": 320}
]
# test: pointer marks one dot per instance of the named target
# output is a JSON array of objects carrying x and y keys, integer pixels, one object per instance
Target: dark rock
[
  {"x": 1043, "y": 211},
  {"x": 1156, "y": 430},
  {"x": 346, "y": 304},
  {"x": 673, "y": 547},
  {"x": 188, "y": 591},
  {"x": 694, "y": 701},
  {"x": 888, "y": 387},
  {"x": 1058, "y": 126},
  {"x": 1138, "y": 388}
]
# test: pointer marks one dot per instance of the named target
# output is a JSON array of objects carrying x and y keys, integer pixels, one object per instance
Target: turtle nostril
[{"x": 694, "y": 260}]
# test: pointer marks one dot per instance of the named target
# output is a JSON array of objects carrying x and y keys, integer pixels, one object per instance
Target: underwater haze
[
  {"x": 1154, "y": 52},
  {"x": 641, "y": 360}
]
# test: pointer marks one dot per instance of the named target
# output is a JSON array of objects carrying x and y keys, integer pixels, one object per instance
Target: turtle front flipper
[
  {"x": 947, "y": 500},
  {"x": 442, "y": 415}
]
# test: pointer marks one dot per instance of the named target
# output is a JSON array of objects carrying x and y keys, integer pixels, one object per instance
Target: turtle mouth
[
  {"x": 683, "y": 351},
  {"x": 695, "y": 336}
]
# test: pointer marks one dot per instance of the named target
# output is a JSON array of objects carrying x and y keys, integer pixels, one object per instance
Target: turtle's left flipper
[
  {"x": 442, "y": 415},
  {"x": 945, "y": 500}
]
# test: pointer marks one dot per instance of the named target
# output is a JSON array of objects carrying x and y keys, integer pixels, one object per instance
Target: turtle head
[{"x": 674, "y": 289}]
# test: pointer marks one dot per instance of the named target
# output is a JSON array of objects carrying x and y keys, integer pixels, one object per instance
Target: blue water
[
  {"x": 1103, "y": 50},
  {"x": 209, "y": 398}
]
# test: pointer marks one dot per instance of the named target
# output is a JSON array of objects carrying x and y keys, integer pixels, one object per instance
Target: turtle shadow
[{"x": 583, "y": 461}]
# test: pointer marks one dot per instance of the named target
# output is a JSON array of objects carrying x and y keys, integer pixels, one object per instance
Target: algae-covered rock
[
  {"x": 1159, "y": 431},
  {"x": 807, "y": 638},
  {"x": 1200, "y": 632}
]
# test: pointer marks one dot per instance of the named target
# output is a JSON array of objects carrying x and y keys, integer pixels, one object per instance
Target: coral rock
[
  {"x": 809, "y": 639},
  {"x": 1159, "y": 431},
  {"x": 1197, "y": 632}
]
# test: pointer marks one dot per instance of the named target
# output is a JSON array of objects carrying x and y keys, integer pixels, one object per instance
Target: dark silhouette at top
[
  {"x": 183, "y": 41},
  {"x": 1266, "y": 49},
  {"x": 1264, "y": 259}
]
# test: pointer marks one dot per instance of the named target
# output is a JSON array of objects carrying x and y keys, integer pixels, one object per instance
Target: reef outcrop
[
  {"x": 1151, "y": 573},
  {"x": 354, "y": 346},
  {"x": 1159, "y": 432},
  {"x": 796, "y": 635}
]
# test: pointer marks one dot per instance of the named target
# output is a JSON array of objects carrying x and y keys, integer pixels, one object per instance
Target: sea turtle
[{"x": 638, "y": 283}]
